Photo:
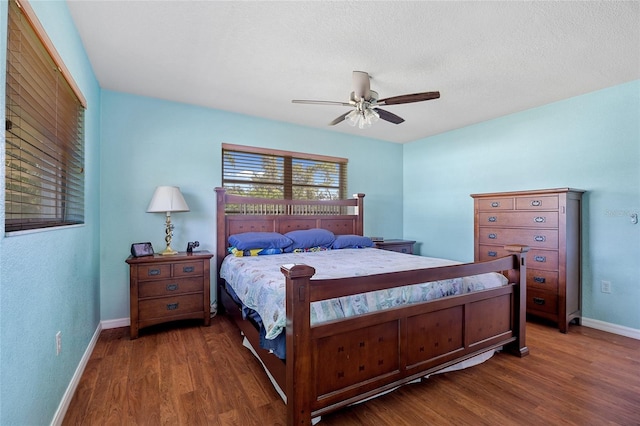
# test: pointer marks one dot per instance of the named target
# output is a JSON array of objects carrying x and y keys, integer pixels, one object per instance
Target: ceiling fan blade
[
  {"x": 361, "y": 85},
  {"x": 405, "y": 99},
  {"x": 339, "y": 119},
  {"x": 389, "y": 116},
  {"x": 300, "y": 101}
]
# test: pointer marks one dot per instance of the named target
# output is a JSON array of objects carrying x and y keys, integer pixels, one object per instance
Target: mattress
[{"x": 260, "y": 286}]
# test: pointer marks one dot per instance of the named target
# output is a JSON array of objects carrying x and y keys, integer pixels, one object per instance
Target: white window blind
[
  {"x": 268, "y": 173},
  {"x": 44, "y": 131}
]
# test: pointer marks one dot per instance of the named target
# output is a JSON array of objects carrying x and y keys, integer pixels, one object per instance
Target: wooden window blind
[
  {"x": 268, "y": 173},
  {"x": 44, "y": 130}
]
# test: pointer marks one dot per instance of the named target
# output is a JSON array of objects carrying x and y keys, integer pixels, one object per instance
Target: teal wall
[
  {"x": 49, "y": 281},
  {"x": 148, "y": 142},
  {"x": 590, "y": 142}
]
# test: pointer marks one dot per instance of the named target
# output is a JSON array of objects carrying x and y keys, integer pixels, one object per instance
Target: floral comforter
[{"x": 258, "y": 282}]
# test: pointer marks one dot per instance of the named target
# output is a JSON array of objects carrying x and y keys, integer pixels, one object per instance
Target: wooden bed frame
[{"x": 379, "y": 351}]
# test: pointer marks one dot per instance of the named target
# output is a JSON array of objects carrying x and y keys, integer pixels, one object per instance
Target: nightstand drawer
[
  {"x": 169, "y": 287},
  {"x": 187, "y": 269},
  {"x": 170, "y": 306},
  {"x": 400, "y": 246},
  {"x": 153, "y": 272}
]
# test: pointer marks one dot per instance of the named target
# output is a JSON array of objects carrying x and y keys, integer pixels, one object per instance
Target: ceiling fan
[{"x": 367, "y": 105}]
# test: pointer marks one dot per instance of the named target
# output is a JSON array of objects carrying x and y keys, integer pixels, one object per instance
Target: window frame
[
  {"x": 33, "y": 139},
  {"x": 288, "y": 159}
]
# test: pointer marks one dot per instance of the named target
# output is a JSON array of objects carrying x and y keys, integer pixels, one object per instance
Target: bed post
[
  {"x": 221, "y": 240},
  {"x": 299, "y": 383},
  {"x": 360, "y": 212},
  {"x": 520, "y": 315}
]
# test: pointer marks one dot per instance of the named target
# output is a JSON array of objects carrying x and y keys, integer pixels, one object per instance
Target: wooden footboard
[{"x": 341, "y": 362}]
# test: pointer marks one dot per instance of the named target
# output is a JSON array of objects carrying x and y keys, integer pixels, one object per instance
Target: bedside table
[
  {"x": 401, "y": 246},
  {"x": 169, "y": 288}
]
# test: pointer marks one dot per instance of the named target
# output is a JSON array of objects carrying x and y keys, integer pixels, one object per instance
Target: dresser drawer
[
  {"x": 152, "y": 272},
  {"x": 542, "y": 280},
  {"x": 543, "y": 238},
  {"x": 542, "y": 301},
  {"x": 519, "y": 219},
  {"x": 537, "y": 203},
  {"x": 495, "y": 204},
  {"x": 536, "y": 259},
  {"x": 170, "y": 306},
  {"x": 169, "y": 287}
]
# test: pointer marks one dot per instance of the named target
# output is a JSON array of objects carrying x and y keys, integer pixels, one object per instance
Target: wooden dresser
[
  {"x": 549, "y": 222},
  {"x": 401, "y": 246},
  {"x": 169, "y": 288}
]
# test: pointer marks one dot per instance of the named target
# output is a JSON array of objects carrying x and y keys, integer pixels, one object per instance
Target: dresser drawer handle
[
  {"x": 536, "y": 203},
  {"x": 493, "y": 253},
  {"x": 540, "y": 280},
  {"x": 493, "y": 236},
  {"x": 172, "y": 287},
  {"x": 540, "y": 259},
  {"x": 495, "y": 204},
  {"x": 188, "y": 269},
  {"x": 540, "y": 238},
  {"x": 493, "y": 219},
  {"x": 172, "y": 306},
  {"x": 539, "y": 219},
  {"x": 154, "y": 272},
  {"x": 538, "y": 300}
]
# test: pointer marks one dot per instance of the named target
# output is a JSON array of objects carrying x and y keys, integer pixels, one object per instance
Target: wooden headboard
[{"x": 252, "y": 214}]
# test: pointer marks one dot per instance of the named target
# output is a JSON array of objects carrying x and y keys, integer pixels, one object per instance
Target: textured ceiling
[{"x": 487, "y": 59}]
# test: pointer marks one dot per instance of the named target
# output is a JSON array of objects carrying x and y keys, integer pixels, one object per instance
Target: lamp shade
[{"x": 167, "y": 199}]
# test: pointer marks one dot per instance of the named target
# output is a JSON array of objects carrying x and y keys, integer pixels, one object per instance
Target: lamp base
[{"x": 168, "y": 251}]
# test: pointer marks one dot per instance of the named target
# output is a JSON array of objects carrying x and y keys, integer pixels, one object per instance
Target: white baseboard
[
  {"x": 115, "y": 323},
  {"x": 611, "y": 328},
  {"x": 73, "y": 384}
]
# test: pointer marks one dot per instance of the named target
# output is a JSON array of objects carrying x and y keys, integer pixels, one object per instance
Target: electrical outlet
[
  {"x": 58, "y": 342},
  {"x": 605, "y": 286}
]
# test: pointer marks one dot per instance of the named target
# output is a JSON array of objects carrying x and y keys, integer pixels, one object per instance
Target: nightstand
[
  {"x": 169, "y": 288},
  {"x": 401, "y": 246}
]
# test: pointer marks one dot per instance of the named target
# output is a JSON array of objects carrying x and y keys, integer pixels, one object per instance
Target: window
[
  {"x": 267, "y": 173},
  {"x": 44, "y": 129}
]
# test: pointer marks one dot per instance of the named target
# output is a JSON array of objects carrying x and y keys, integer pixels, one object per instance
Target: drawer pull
[
  {"x": 538, "y": 300},
  {"x": 493, "y": 219},
  {"x": 539, "y": 219},
  {"x": 493, "y": 236},
  {"x": 540, "y": 259},
  {"x": 172, "y": 306},
  {"x": 536, "y": 203},
  {"x": 495, "y": 204},
  {"x": 188, "y": 269},
  {"x": 540, "y": 238},
  {"x": 172, "y": 287},
  {"x": 154, "y": 272},
  {"x": 540, "y": 280},
  {"x": 493, "y": 253}
]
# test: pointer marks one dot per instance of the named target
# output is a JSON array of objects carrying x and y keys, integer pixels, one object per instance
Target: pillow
[
  {"x": 254, "y": 252},
  {"x": 309, "y": 238},
  {"x": 351, "y": 241},
  {"x": 259, "y": 240}
]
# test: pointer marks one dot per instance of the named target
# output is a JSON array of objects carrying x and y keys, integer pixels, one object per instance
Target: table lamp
[{"x": 167, "y": 199}]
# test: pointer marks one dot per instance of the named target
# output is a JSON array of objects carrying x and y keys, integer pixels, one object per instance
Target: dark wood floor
[{"x": 193, "y": 375}]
